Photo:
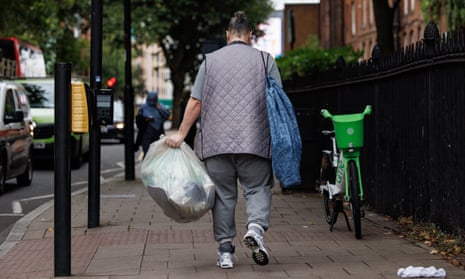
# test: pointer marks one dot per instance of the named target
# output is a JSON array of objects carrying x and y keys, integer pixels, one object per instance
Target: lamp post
[
  {"x": 128, "y": 97},
  {"x": 93, "y": 214}
]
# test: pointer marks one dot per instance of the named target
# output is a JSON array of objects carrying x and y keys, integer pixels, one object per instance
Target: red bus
[{"x": 20, "y": 59}]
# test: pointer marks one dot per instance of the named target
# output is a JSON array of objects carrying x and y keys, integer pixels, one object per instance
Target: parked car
[
  {"x": 16, "y": 135},
  {"x": 41, "y": 94},
  {"x": 115, "y": 130}
]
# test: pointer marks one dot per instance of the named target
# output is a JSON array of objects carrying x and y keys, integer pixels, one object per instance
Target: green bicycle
[{"x": 349, "y": 140}]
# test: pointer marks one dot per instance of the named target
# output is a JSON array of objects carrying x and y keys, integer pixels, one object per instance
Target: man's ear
[{"x": 249, "y": 36}]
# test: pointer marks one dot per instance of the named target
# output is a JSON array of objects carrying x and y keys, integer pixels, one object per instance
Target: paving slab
[{"x": 136, "y": 240}]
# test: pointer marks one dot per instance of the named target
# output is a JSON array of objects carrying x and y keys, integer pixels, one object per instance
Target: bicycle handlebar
[
  {"x": 367, "y": 110},
  {"x": 326, "y": 114}
]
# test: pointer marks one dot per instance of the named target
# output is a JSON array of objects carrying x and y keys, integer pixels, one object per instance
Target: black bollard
[{"x": 62, "y": 184}]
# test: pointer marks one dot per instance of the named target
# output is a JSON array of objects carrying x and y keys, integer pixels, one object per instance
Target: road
[{"x": 18, "y": 201}]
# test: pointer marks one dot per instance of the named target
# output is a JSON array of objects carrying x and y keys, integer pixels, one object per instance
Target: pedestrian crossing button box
[
  {"x": 104, "y": 106},
  {"x": 79, "y": 108}
]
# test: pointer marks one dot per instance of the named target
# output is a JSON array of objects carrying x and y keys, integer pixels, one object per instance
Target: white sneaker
[
  {"x": 254, "y": 242},
  {"x": 225, "y": 260}
]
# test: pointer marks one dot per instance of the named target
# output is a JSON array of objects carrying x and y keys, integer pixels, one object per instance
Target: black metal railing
[{"x": 413, "y": 160}]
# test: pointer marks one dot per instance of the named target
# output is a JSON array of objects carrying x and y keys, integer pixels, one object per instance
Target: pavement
[{"x": 136, "y": 240}]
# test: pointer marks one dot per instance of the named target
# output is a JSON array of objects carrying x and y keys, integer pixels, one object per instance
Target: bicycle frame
[
  {"x": 335, "y": 161},
  {"x": 348, "y": 129},
  {"x": 347, "y": 156},
  {"x": 349, "y": 139}
]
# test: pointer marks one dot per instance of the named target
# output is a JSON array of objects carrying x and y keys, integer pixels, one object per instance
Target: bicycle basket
[{"x": 349, "y": 130}]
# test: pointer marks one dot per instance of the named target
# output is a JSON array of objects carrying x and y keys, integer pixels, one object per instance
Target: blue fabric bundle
[{"x": 286, "y": 145}]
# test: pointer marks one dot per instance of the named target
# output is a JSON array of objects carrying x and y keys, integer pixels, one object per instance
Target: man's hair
[{"x": 239, "y": 23}]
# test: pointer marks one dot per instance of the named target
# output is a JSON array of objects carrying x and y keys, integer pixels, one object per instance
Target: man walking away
[{"x": 234, "y": 137}]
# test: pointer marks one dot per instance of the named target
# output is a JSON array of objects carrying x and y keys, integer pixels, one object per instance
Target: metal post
[
  {"x": 62, "y": 184},
  {"x": 95, "y": 84},
  {"x": 128, "y": 97}
]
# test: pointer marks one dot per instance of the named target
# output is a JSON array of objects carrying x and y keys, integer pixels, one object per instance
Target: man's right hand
[{"x": 175, "y": 140}]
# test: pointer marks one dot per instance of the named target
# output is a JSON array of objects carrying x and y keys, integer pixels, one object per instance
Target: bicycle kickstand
[
  {"x": 333, "y": 217},
  {"x": 340, "y": 208}
]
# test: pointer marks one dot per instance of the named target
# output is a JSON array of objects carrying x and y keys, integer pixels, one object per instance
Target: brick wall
[
  {"x": 352, "y": 22},
  {"x": 306, "y": 22}
]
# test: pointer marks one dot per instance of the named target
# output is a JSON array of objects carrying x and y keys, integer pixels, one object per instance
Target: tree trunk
[
  {"x": 178, "y": 61},
  {"x": 177, "y": 77},
  {"x": 384, "y": 17}
]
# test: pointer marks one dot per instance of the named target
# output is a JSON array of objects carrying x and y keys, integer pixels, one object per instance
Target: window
[
  {"x": 405, "y": 6},
  {"x": 412, "y": 37},
  {"x": 29, "y": 59},
  {"x": 364, "y": 13},
  {"x": 9, "y": 104},
  {"x": 354, "y": 26},
  {"x": 370, "y": 7},
  {"x": 41, "y": 95},
  {"x": 412, "y": 5}
]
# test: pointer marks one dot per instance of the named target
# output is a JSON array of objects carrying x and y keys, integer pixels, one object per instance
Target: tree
[
  {"x": 180, "y": 27},
  {"x": 49, "y": 24},
  {"x": 453, "y": 9},
  {"x": 384, "y": 17}
]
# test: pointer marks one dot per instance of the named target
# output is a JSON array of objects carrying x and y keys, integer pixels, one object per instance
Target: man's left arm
[{"x": 191, "y": 115}]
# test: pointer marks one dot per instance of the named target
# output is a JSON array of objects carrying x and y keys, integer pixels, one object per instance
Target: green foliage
[
  {"x": 431, "y": 10},
  {"x": 454, "y": 10},
  {"x": 179, "y": 28},
  {"x": 312, "y": 58},
  {"x": 50, "y": 25}
]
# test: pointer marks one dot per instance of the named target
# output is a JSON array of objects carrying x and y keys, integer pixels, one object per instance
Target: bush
[{"x": 311, "y": 58}]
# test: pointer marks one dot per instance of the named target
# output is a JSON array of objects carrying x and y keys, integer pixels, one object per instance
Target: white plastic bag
[{"x": 178, "y": 181}]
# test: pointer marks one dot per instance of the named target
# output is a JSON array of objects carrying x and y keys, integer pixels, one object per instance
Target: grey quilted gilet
[{"x": 234, "y": 115}]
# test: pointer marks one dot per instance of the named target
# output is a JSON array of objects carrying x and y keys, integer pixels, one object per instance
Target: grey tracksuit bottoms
[{"x": 255, "y": 176}]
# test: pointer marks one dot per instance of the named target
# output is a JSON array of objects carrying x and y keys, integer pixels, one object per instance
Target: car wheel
[{"x": 25, "y": 179}]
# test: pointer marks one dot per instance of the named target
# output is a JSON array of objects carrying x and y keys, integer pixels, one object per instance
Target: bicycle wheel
[
  {"x": 327, "y": 171},
  {"x": 355, "y": 198},
  {"x": 329, "y": 206},
  {"x": 327, "y": 174}
]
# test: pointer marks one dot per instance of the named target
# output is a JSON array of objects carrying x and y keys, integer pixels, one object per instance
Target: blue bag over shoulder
[{"x": 286, "y": 145}]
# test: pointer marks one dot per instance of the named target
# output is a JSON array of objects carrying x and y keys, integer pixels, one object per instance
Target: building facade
[
  {"x": 408, "y": 24},
  {"x": 352, "y": 22},
  {"x": 156, "y": 73},
  {"x": 300, "y": 21}
]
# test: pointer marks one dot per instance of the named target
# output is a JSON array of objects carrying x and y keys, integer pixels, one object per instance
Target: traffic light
[{"x": 111, "y": 82}]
